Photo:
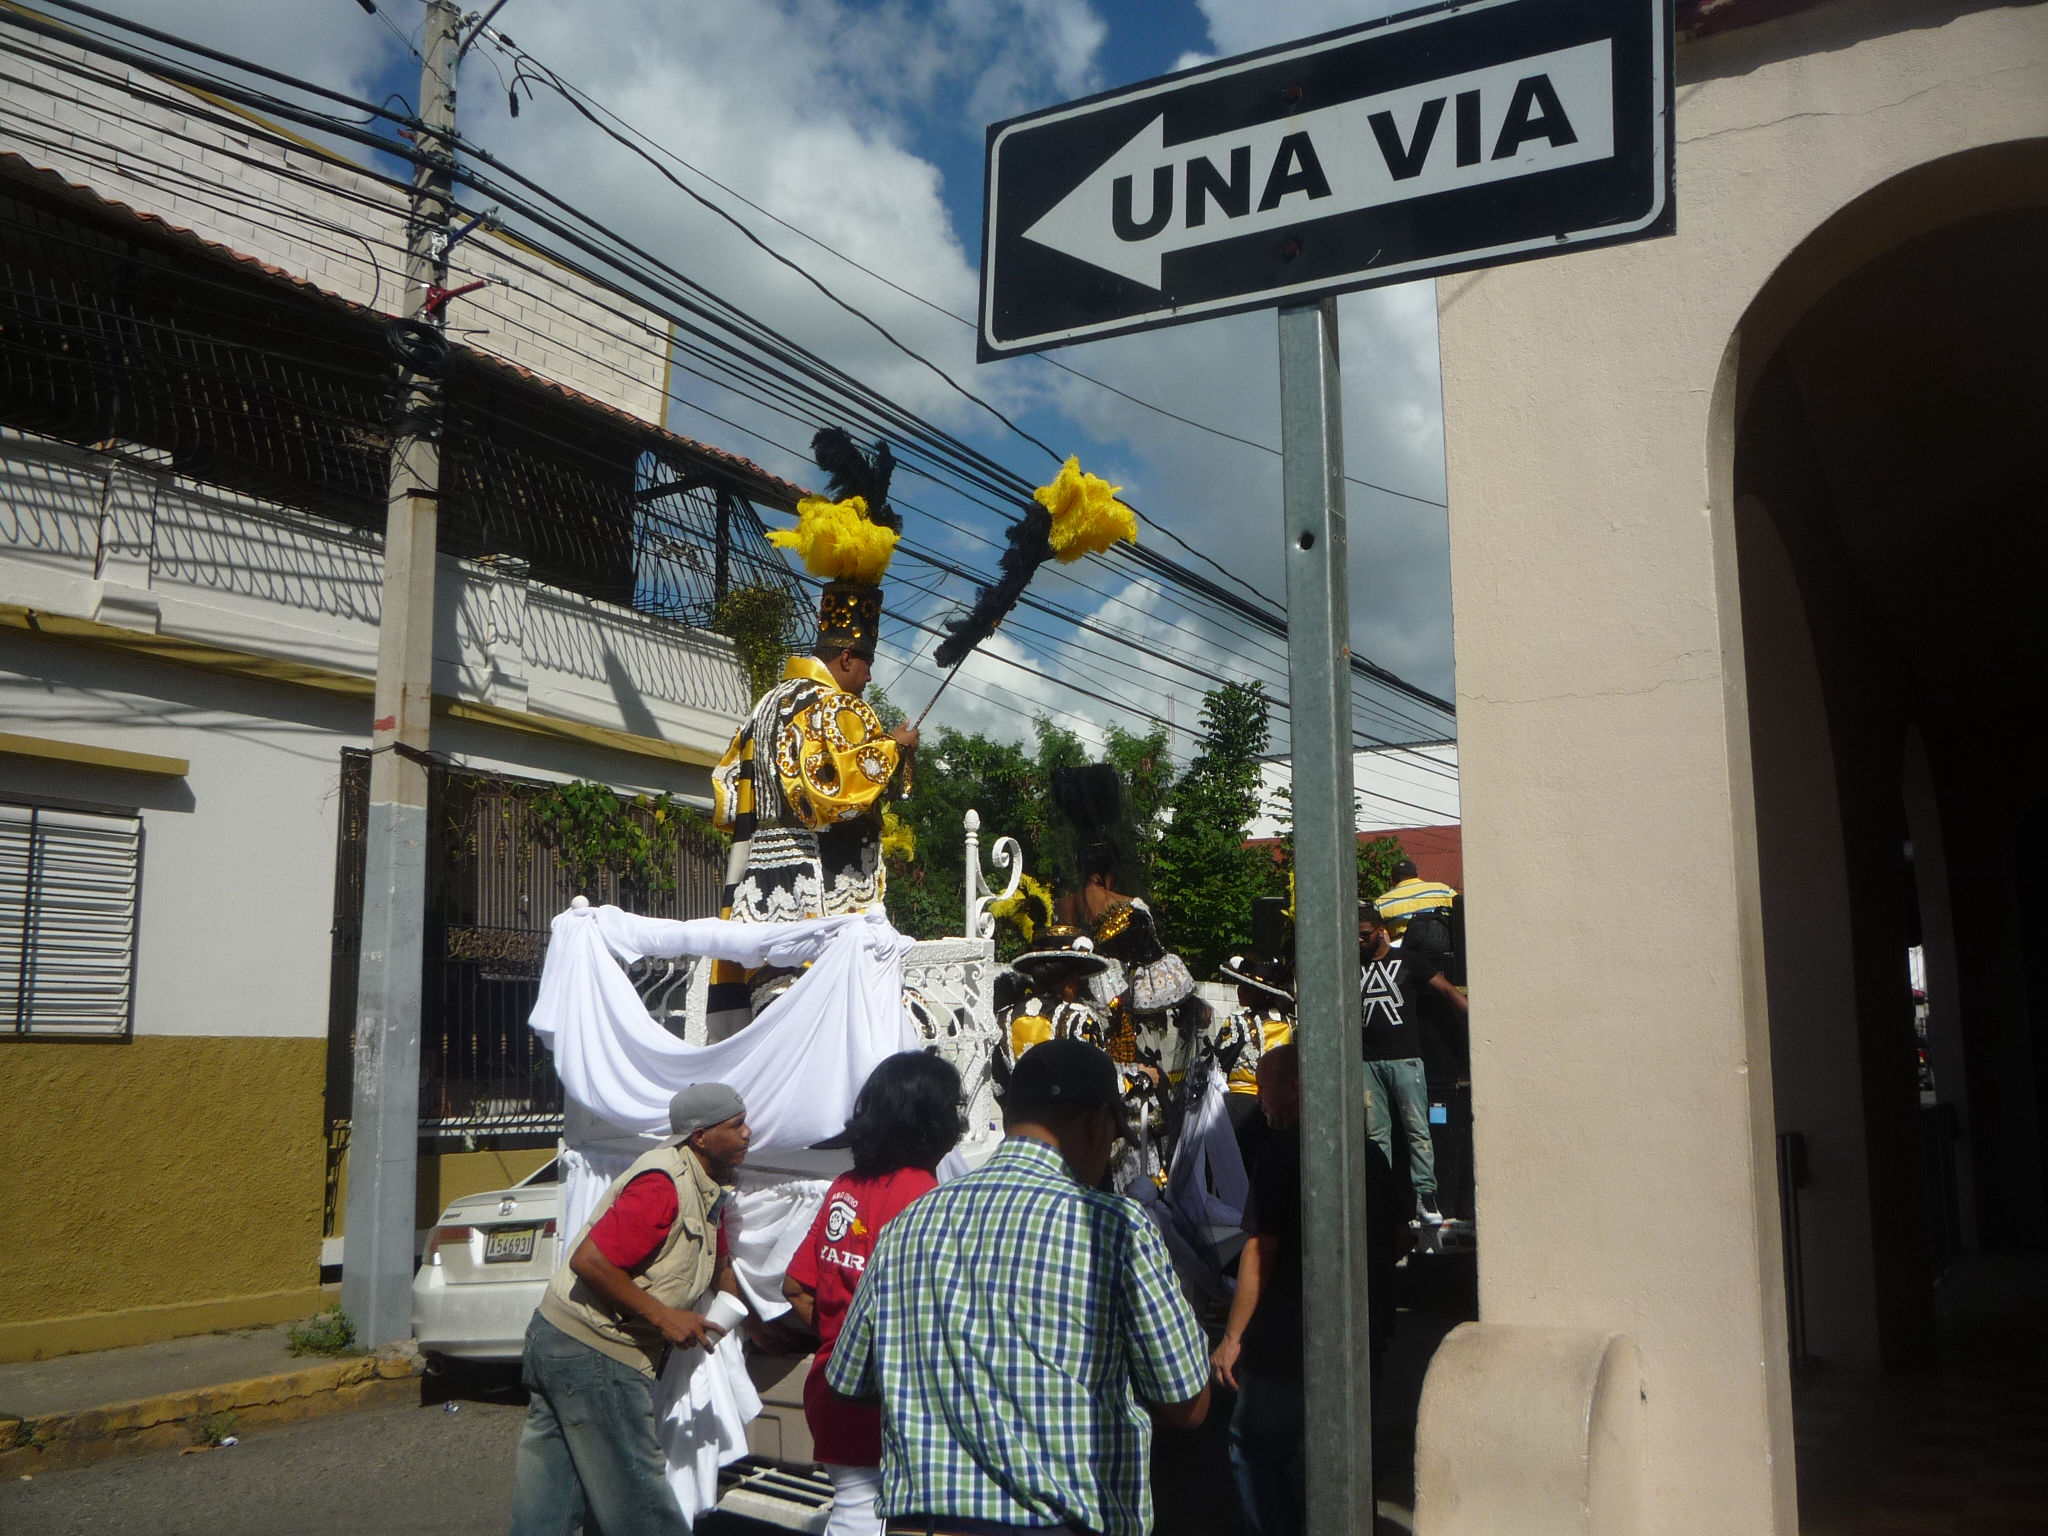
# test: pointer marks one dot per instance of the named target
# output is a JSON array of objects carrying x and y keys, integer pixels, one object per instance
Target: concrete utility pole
[
  {"x": 1336, "y": 1331},
  {"x": 383, "y": 1157}
]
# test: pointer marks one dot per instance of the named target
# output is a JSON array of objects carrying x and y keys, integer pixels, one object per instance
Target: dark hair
[
  {"x": 1404, "y": 869},
  {"x": 907, "y": 1114},
  {"x": 1370, "y": 915},
  {"x": 829, "y": 653}
]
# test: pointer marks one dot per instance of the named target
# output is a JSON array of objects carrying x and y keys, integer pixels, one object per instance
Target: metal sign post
[
  {"x": 1335, "y": 1309},
  {"x": 1456, "y": 136}
]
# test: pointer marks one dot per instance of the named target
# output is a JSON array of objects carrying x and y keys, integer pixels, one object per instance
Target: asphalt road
[
  {"x": 420, "y": 1471},
  {"x": 410, "y": 1469},
  {"x": 423, "y": 1471}
]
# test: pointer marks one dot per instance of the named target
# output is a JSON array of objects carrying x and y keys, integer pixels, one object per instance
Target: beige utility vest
[{"x": 680, "y": 1271}]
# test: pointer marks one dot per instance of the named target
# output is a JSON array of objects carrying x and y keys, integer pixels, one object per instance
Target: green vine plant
[
  {"x": 757, "y": 620},
  {"x": 595, "y": 832}
]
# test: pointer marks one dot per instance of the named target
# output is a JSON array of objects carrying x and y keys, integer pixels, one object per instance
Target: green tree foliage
[
  {"x": 1204, "y": 877},
  {"x": 1188, "y": 855},
  {"x": 595, "y": 832},
  {"x": 1377, "y": 857}
]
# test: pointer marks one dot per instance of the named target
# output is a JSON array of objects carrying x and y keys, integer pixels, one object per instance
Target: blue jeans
[
  {"x": 1399, "y": 1087},
  {"x": 1266, "y": 1454},
  {"x": 588, "y": 1452}
]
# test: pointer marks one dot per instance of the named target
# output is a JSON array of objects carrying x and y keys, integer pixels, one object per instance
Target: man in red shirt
[
  {"x": 905, "y": 1120},
  {"x": 610, "y": 1317}
]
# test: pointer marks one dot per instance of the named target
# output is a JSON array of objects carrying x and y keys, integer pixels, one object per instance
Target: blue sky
[{"x": 863, "y": 125}]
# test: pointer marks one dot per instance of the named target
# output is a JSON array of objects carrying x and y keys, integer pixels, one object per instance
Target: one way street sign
[{"x": 1456, "y": 137}]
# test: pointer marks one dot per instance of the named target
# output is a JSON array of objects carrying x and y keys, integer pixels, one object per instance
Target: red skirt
[{"x": 843, "y": 1432}]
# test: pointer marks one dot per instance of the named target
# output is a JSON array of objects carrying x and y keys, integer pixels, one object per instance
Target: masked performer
[
  {"x": 1059, "y": 1005},
  {"x": 1156, "y": 1013},
  {"x": 1263, "y": 1020},
  {"x": 802, "y": 787}
]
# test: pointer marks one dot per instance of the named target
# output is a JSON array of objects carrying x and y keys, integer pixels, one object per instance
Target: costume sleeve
[
  {"x": 732, "y": 782},
  {"x": 834, "y": 759}
]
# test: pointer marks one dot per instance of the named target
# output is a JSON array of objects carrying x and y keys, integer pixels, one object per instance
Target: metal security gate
[{"x": 495, "y": 880}]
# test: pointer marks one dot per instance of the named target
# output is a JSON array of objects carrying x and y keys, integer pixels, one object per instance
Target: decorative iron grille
[
  {"x": 494, "y": 883},
  {"x": 114, "y": 333}
]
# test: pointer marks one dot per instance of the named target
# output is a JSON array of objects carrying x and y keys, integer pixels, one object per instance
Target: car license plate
[{"x": 509, "y": 1245}]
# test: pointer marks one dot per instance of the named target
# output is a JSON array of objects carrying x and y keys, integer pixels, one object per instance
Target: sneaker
[{"x": 1426, "y": 1211}]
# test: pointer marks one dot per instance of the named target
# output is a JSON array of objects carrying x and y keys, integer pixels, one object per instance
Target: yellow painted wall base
[
  {"x": 164, "y": 1186},
  {"x": 44, "y": 1337},
  {"x": 451, "y": 1175}
]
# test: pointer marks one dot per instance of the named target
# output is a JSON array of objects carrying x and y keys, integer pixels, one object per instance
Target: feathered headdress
[
  {"x": 847, "y": 536},
  {"x": 1089, "y": 802},
  {"x": 1078, "y": 514}
]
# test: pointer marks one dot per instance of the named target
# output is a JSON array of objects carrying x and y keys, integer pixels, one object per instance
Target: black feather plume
[
  {"x": 852, "y": 470},
  {"x": 1030, "y": 547}
]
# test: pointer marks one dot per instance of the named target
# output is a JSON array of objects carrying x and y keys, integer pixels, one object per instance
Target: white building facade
[{"x": 190, "y": 567}]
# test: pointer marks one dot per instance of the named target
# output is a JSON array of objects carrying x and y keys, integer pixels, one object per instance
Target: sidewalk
[{"x": 83, "y": 1408}]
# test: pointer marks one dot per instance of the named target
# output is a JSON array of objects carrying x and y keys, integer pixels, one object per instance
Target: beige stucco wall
[{"x": 1622, "y": 1066}]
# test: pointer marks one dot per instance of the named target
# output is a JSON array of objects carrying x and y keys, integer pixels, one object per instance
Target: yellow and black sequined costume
[{"x": 800, "y": 791}]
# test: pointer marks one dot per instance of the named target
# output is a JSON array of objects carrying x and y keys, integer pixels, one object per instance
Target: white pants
[{"x": 854, "y": 1491}]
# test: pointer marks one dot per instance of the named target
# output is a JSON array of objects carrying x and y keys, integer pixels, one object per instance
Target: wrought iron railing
[
  {"x": 495, "y": 882},
  {"x": 117, "y": 332}
]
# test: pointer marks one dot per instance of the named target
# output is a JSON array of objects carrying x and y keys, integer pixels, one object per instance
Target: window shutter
[{"x": 69, "y": 882}]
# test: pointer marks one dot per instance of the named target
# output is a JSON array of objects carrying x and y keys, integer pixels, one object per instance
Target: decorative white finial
[{"x": 1005, "y": 855}]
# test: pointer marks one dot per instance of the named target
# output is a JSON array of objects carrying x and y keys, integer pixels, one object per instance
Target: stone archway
[{"x": 1887, "y": 455}]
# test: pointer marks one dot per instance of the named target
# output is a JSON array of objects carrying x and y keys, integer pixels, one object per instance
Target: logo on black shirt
[{"x": 1379, "y": 993}]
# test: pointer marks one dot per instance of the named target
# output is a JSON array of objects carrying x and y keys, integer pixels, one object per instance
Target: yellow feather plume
[
  {"x": 899, "y": 837},
  {"x": 1031, "y": 906},
  {"x": 1086, "y": 516},
  {"x": 835, "y": 540}
]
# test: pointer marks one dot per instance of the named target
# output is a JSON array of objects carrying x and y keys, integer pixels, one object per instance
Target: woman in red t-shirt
[{"x": 906, "y": 1118}]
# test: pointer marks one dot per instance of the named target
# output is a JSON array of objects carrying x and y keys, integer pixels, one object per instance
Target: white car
[{"x": 486, "y": 1263}]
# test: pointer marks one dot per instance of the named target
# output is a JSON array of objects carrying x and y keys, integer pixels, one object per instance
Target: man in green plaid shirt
[{"x": 1010, "y": 1322}]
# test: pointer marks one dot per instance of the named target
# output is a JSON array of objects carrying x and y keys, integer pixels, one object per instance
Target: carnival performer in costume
[
  {"x": 1263, "y": 1021},
  {"x": 1057, "y": 1004},
  {"x": 1156, "y": 1014},
  {"x": 1060, "y": 1005},
  {"x": 801, "y": 789}
]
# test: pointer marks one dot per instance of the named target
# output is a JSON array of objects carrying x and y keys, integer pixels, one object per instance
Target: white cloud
[
  {"x": 815, "y": 109},
  {"x": 1237, "y": 26}
]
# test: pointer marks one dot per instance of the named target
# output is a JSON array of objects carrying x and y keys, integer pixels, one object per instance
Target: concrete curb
[{"x": 52, "y": 1442}]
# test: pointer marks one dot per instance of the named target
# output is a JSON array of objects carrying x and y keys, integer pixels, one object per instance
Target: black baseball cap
[{"x": 1066, "y": 1074}]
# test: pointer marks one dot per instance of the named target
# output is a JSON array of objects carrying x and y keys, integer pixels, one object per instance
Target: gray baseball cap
[{"x": 699, "y": 1105}]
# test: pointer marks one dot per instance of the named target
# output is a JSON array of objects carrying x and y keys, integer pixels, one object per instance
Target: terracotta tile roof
[{"x": 758, "y": 484}]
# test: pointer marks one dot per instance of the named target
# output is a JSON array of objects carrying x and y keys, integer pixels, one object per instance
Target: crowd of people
[{"x": 993, "y": 1351}]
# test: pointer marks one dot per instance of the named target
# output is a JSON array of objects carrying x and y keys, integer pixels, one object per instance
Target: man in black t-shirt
[
  {"x": 1390, "y": 989},
  {"x": 1260, "y": 1356}
]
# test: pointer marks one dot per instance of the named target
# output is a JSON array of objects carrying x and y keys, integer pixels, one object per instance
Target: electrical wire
[
  {"x": 953, "y": 465},
  {"x": 650, "y": 147}
]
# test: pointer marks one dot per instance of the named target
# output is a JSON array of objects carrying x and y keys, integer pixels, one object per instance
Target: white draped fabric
[
  {"x": 1200, "y": 1210},
  {"x": 797, "y": 1067}
]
